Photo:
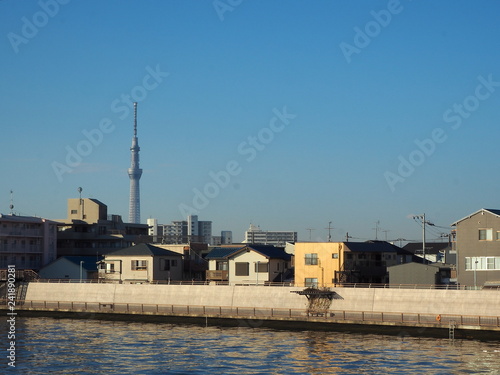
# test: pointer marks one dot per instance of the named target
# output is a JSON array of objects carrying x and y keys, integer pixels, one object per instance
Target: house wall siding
[{"x": 469, "y": 245}]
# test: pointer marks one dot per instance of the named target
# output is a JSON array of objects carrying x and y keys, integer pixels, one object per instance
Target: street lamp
[{"x": 81, "y": 270}]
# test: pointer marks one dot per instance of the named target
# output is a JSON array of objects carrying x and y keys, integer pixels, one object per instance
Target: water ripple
[{"x": 52, "y": 346}]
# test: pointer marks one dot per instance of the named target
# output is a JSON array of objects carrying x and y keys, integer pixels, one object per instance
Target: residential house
[
  {"x": 248, "y": 264},
  {"x": 71, "y": 268},
  {"x": 327, "y": 264},
  {"x": 195, "y": 265},
  {"x": 477, "y": 244},
  {"x": 141, "y": 263}
]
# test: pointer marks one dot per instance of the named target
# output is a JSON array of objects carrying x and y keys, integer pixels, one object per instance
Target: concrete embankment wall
[{"x": 421, "y": 301}]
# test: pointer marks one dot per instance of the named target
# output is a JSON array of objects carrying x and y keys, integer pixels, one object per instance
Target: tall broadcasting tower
[{"x": 134, "y": 173}]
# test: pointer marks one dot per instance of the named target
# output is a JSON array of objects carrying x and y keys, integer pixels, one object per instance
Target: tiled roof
[
  {"x": 222, "y": 252},
  {"x": 271, "y": 251},
  {"x": 89, "y": 262},
  {"x": 268, "y": 251},
  {"x": 143, "y": 249},
  {"x": 372, "y": 247}
]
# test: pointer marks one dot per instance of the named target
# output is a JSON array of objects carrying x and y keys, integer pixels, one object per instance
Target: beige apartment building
[{"x": 90, "y": 231}]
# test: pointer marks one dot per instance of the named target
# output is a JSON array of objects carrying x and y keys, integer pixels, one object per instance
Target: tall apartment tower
[{"x": 134, "y": 173}]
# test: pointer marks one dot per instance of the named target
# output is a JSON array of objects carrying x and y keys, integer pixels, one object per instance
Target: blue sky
[{"x": 315, "y": 111}]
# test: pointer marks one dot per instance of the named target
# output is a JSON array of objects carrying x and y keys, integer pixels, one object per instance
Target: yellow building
[
  {"x": 327, "y": 264},
  {"x": 317, "y": 263}
]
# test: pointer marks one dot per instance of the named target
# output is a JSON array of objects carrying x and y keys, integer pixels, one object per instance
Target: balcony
[{"x": 217, "y": 275}]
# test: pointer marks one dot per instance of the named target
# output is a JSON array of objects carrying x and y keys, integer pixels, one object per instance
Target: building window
[
  {"x": 242, "y": 268},
  {"x": 485, "y": 234},
  {"x": 221, "y": 265},
  {"x": 311, "y": 259},
  {"x": 166, "y": 264},
  {"x": 74, "y": 212},
  {"x": 335, "y": 256},
  {"x": 139, "y": 265},
  {"x": 482, "y": 263},
  {"x": 110, "y": 267},
  {"x": 311, "y": 282},
  {"x": 490, "y": 263},
  {"x": 261, "y": 267}
]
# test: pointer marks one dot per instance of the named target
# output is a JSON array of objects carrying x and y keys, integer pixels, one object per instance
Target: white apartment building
[{"x": 255, "y": 235}]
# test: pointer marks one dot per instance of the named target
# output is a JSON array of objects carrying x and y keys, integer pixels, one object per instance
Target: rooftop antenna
[
  {"x": 81, "y": 202},
  {"x": 376, "y": 229},
  {"x": 11, "y": 202},
  {"x": 310, "y": 230},
  {"x": 329, "y": 229},
  {"x": 386, "y": 231}
]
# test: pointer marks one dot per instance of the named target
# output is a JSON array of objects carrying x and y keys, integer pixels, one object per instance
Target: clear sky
[{"x": 286, "y": 114}]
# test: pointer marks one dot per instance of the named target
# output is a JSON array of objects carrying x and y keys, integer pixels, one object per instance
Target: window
[
  {"x": 261, "y": 267},
  {"x": 110, "y": 267},
  {"x": 311, "y": 282},
  {"x": 490, "y": 263},
  {"x": 485, "y": 234},
  {"x": 74, "y": 212},
  {"x": 221, "y": 266},
  {"x": 482, "y": 263},
  {"x": 242, "y": 268},
  {"x": 139, "y": 265},
  {"x": 311, "y": 259},
  {"x": 335, "y": 256},
  {"x": 166, "y": 264}
]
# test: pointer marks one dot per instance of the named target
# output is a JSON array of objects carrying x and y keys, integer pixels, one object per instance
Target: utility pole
[
  {"x": 347, "y": 237},
  {"x": 422, "y": 217},
  {"x": 329, "y": 228}
]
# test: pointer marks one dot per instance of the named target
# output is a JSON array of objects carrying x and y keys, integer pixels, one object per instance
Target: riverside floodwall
[{"x": 387, "y": 300}]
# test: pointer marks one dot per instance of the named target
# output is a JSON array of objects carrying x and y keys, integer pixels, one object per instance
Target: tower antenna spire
[
  {"x": 135, "y": 119},
  {"x": 134, "y": 173}
]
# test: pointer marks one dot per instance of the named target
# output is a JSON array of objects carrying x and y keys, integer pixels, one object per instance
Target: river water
[{"x": 77, "y": 346}]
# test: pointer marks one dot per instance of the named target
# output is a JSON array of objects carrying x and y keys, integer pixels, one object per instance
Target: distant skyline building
[
  {"x": 135, "y": 173},
  {"x": 255, "y": 235},
  {"x": 186, "y": 231}
]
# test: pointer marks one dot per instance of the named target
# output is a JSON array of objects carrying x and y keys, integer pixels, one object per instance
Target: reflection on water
[{"x": 67, "y": 346}]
